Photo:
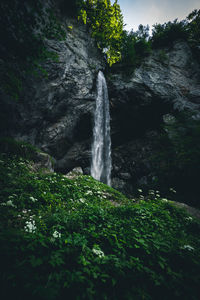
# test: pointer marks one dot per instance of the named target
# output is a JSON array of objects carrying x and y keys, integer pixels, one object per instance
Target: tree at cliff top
[
  {"x": 188, "y": 29},
  {"x": 106, "y": 21},
  {"x": 194, "y": 31},
  {"x": 138, "y": 44},
  {"x": 135, "y": 46}
]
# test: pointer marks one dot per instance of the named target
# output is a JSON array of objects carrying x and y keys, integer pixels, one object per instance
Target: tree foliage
[
  {"x": 165, "y": 34},
  {"x": 188, "y": 29},
  {"x": 135, "y": 46},
  {"x": 194, "y": 26},
  {"x": 106, "y": 21}
]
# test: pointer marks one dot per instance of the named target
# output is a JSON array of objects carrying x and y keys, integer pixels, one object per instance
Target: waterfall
[{"x": 101, "y": 146}]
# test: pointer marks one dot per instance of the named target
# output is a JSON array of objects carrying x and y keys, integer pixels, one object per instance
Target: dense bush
[
  {"x": 165, "y": 34},
  {"x": 80, "y": 239},
  {"x": 194, "y": 26},
  {"x": 18, "y": 148},
  {"x": 189, "y": 29},
  {"x": 24, "y": 27},
  {"x": 135, "y": 46},
  {"x": 194, "y": 32}
]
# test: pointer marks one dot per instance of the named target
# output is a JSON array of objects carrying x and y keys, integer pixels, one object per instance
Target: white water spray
[{"x": 101, "y": 146}]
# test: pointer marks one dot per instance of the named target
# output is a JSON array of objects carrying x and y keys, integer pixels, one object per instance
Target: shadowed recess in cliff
[{"x": 101, "y": 147}]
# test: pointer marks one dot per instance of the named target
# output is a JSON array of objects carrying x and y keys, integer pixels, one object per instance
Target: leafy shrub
[
  {"x": 165, "y": 34},
  {"x": 18, "y": 148},
  {"x": 106, "y": 21},
  {"x": 135, "y": 46},
  {"x": 24, "y": 27},
  {"x": 80, "y": 239},
  {"x": 193, "y": 29},
  {"x": 194, "y": 26}
]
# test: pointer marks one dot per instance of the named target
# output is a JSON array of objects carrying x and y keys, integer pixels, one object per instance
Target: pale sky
[{"x": 155, "y": 11}]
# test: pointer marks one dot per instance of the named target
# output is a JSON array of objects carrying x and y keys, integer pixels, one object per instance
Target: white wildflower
[
  {"x": 187, "y": 247},
  {"x": 30, "y": 226},
  {"x": 10, "y": 203},
  {"x": 164, "y": 200},
  {"x": 33, "y": 199},
  {"x": 172, "y": 190},
  {"x": 56, "y": 234},
  {"x": 151, "y": 192},
  {"x": 89, "y": 193},
  {"x": 98, "y": 252},
  {"x": 82, "y": 200},
  {"x": 140, "y": 190},
  {"x": 189, "y": 219}
]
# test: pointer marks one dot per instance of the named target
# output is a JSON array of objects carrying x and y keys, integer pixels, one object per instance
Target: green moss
[
  {"x": 9, "y": 146},
  {"x": 163, "y": 57}
]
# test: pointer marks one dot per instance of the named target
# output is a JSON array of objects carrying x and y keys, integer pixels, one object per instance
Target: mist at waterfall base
[{"x": 101, "y": 146}]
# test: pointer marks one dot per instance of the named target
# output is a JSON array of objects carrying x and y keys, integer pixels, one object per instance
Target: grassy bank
[{"x": 80, "y": 239}]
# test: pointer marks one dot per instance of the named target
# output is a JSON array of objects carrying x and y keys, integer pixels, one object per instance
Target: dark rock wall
[
  {"x": 163, "y": 85},
  {"x": 55, "y": 112}
]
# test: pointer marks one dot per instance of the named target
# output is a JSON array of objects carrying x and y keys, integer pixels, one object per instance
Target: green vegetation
[
  {"x": 189, "y": 30},
  {"x": 106, "y": 22},
  {"x": 165, "y": 34},
  {"x": 135, "y": 46},
  {"x": 80, "y": 239},
  {"x": 18, "y": 148},
  {"x": 24, "y": 28}
]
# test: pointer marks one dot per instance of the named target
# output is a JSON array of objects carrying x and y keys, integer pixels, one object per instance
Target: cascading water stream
[{"x": 101, "y": 146}]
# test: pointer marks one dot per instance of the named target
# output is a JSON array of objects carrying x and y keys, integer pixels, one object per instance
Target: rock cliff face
[
  {"x": 56, "y": 113},
  {"x": 167, "y": 82}
]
